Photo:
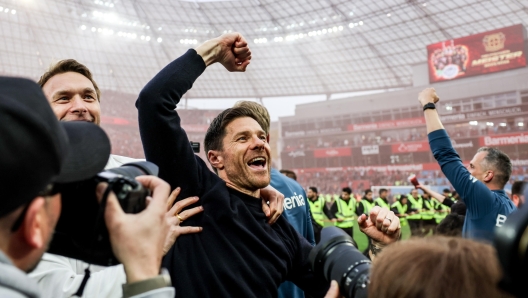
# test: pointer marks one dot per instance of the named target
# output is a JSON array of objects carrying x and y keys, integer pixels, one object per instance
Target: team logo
[{"x": 494, "y": 42}]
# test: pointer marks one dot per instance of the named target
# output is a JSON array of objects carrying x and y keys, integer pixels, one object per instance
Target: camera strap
[{"x": 98, "y": 223}]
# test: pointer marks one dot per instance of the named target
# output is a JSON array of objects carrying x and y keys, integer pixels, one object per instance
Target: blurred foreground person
[
  {"x": 481, "y": 185},
  {"x": 37, "y": 153},
  {"x": 436, "y": 267}
]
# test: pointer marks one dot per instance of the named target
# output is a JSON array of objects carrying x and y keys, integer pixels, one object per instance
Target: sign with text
[
  {"x": 482, "y": 53},
  {"x": 332, "y": 152},
  {"x": 504, "y": 139},
  {"x": 387, "y": 124},
  {"x": 509, "y": 111},
  {"x": 370, "y": 150},
  {"x": 410, "y": 147}
]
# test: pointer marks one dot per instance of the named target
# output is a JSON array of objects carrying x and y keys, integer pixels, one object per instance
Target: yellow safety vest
[
  {"x": 401, "y": 210},
  {"x": 317, "y": 210},
  {"x": 382, "y": 203},
  {"x": 416, "y": 204},
  {"x": 429, "y": 209},
  {"x": 439, "y": 216},
  {"x": 367, "y": 206},
  {"x": 346, "y": 211}
]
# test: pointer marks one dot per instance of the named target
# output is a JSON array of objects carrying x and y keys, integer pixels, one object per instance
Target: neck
[{"x": 253, "y": 193}]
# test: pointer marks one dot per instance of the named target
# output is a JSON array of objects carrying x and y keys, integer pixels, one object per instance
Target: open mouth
[{"x": 257, "y": 163}]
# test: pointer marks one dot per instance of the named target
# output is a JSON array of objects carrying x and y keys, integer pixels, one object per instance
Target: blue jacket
[
  {"x": 486, "y": 208},
  {"x": 297, "y": 213}
]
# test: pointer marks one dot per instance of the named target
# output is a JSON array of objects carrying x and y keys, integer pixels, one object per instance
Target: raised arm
[
  {"x": 478, "y": 198},
  {"x": 164, "y": 141},
  {"x": 432, "y": 193}
]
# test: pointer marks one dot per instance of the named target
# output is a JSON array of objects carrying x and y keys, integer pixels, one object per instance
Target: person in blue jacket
[
  {"x": 481, "y": 184},
  {"x": 296, "y": 208}
]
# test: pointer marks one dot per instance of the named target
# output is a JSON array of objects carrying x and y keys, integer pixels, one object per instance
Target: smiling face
[
  {"x": 244, "y": 161},
  {"x": 73, "y": 97},
  {"x": 475, "y": 166}
]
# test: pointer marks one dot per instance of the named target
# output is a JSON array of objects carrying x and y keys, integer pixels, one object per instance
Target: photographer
[
  {"x": 37, "y": 153},
  {"x": 481, "y": 185}
]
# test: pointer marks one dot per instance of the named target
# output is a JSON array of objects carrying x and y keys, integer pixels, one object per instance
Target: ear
[
  {"x": 489, "y": 176},
  {"x": 515, "y": 199},
  {"x": 215, "y": 159},
  {"x": 34, "y": 224}
]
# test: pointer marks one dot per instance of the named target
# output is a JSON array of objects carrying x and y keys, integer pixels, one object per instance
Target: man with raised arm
[
  {"x": 481, "y": 184},
  {"x": 239, "y": 253}
]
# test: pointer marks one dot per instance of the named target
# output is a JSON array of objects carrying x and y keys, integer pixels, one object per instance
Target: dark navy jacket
[{"x": 486, "y": 209}]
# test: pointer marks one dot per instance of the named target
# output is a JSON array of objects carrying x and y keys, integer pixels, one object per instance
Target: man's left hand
[
  {"x": 381, "y": 226},
  {"x": 276, "y": 203}
]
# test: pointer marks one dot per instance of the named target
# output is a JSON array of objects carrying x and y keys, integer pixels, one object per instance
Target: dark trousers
[
  {"x": 349, "y": 231},
  {"x": 428, "y": 226},
  {"x": 416, "y": 227}
]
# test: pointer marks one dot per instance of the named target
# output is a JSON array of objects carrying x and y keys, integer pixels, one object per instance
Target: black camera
[
  {"x": 511, "y": 243},
  {"x": 337, "y": 258},
  {"x": 81, "y": 232}
]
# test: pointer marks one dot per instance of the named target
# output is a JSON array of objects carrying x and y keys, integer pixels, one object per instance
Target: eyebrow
[{"x": 70, "y": 91}]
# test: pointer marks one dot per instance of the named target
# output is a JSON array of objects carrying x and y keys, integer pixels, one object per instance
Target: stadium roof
[{"x": 299, "y": 46}]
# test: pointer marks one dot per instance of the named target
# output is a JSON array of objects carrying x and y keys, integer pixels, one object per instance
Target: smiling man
[{"x": 481, "y": 185}]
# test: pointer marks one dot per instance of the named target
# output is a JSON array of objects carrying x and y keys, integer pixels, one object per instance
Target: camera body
[
  {"x": 81, "y": 232},
  {"x": 336, "y": 257}
]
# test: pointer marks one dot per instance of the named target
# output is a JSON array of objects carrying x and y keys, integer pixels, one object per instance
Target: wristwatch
[{"x": 429, "y": 106}]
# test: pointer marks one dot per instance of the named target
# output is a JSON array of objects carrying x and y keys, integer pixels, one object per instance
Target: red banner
[
  {"x": 504, "y": 139},
  {"x": 410, "y": 147},
  {"x": 387, "y": 124},
  {"x": 331, "y": 152},
  {"x": 482, "y": 53},
  {"x": 385, "y": 168}
]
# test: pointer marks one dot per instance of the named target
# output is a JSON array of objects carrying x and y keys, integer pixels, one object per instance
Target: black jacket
[{"x": 238, "y": 254}]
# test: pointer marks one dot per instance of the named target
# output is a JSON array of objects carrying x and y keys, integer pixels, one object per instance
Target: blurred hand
[
  {"x": 333, "y": 292},
  {"x": 230, "y": 49},
  {"x": 276, "y": 202},
  {"x": 428, "y": 95},
  {"x": 378, "y": 226},
  {"x": 137, "y": 239},
  {"x": 340, "y": 219},
  {"x": 175, "y": 230}
]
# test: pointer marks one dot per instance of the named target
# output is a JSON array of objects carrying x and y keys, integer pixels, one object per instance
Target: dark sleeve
[
  {"x": 395, "y": 210},
  {"x": 478, "y": 198},
  {"x": 164, "y": 140},
  {"x": 313, "y": 284},
  {"x": 330, "y": 213},
  {"x": 448, "y": 202},
  {"x": 359, "y": 209}
]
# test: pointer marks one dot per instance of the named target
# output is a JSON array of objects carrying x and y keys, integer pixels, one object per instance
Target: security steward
[
  {"x": 319, "y": 211},
  {"x": 344, "y": 210},
  {"x": 366, "y": 203},
  {"x": 415, "y": 220}
]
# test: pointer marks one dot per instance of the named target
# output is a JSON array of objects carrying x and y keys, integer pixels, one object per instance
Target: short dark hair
[
  {"x": 69, "y": 65},
  {"x": 216, "y": 131},
  {"x": 451, "y": 225},
  {"x": 313, "y": 188},
  {"x": 289, "y": 173},
  {"x": 517, "y": 187},
  {"x": 367, "y": 191},
  {"x": 348, "y": 190},
  {"x": 499, "y": 162},
  {"x": 382, "y": 190},
  {"x": 446, "y": 190}
]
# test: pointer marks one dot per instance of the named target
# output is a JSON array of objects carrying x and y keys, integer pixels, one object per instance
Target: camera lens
[{"x": 336, "y": 257}]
